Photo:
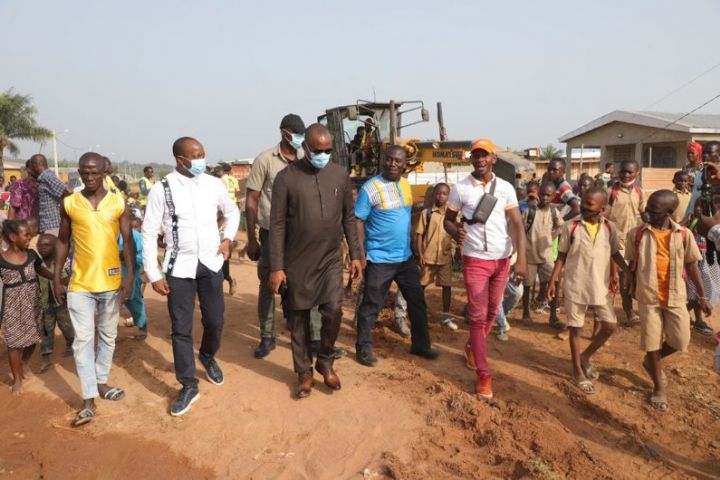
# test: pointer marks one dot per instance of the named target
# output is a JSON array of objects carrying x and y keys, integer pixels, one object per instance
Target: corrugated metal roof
[{"x": 695, "y": 123}]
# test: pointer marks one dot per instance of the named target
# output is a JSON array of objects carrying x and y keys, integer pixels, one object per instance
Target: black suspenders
[{"x": 174, "y": 220}]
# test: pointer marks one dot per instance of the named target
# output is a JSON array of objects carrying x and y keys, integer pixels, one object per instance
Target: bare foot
[
  {"x": 16, "y": 389},
  {"x": 27, "y": 373}
]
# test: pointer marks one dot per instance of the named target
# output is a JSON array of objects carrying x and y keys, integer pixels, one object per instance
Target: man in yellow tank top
[{"x": 94, "y": 217}]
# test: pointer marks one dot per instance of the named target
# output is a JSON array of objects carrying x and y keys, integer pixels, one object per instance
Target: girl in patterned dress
[{"x": 21, "y": 312}]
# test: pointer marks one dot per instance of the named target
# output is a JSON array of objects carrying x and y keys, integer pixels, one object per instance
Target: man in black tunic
[{"x": 311, "y": 207}]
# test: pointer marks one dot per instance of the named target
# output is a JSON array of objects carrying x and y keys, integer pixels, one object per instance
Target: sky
[{"x": 128, "y": 78}]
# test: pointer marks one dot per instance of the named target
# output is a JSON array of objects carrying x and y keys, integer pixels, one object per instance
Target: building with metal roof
[{"x": 657, "y": 140}]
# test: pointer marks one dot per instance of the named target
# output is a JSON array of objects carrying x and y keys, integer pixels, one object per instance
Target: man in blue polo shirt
[{"x": 384, "y": 214}]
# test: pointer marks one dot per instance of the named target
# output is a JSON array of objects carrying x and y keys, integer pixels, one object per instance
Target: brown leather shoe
[
  {"x": 305, "y": 384},
  {"x": 330, "y": 378}
]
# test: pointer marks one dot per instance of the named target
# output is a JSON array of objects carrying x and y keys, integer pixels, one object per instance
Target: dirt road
[{"x": 406, "y": 419}]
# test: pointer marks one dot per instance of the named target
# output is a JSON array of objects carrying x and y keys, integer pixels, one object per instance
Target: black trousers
[
  {"x": 331, "y": 314},
  {"x": 378, "y": 277},
  {"x": 208, "y": 286}
]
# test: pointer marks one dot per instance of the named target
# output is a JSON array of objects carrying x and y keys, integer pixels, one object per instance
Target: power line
[
  {"x": 683, "y": 86},
  {"x": 681, "y": 117}
]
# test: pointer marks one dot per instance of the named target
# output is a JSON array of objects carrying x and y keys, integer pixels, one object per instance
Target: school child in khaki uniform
[
  {"x": 626, "y": 203},
  {"x": 660, "y": 254},
  {"x": 542, "y": 224},
  {"x": 435, "y": 250},
  {"x": 587, "y": 245},
  {"x": 683, "y": 184}
]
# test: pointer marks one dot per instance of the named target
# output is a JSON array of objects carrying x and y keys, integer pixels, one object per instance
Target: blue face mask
[
  {"x": 296, "y": 140},
  {"x": 319, "y": 160},
  {"x": 197, "y": 166}
]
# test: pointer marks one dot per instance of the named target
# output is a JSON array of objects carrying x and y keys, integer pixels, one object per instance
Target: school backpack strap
[
  {"x": 530, "y": 218},
  {"x": 575, "y": 224},
  {"x": 616, "y": 190},
  {"x": 638, "y": 238},
  {"x": 174, "y": 224},
  {"x": 428, "y": 216}
]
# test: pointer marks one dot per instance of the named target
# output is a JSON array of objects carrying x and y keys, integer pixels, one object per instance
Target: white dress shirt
[{"x": 197, "y": 201}]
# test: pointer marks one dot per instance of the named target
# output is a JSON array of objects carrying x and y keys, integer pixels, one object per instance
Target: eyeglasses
[{"x": 328, "y": 151}]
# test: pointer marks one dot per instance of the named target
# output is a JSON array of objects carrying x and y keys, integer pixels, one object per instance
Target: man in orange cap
[{"x": 491, "y": 230}]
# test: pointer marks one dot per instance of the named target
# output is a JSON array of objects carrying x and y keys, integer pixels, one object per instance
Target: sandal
[
  {"x": 114, "y": 394},
  {"x": 591, "y": 372},
  {"x": 83, "y": 416},
  {"x": 659, "y": 402},
  {"x": 585, "y": 385}
]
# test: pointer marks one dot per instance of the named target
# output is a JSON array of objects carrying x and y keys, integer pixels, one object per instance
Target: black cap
[{"x": 293, "y": 123}]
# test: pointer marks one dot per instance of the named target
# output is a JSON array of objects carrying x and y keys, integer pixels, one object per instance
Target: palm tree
[
  {"x": 548, "y": 152},
  {"x": 17, "y": 122}
]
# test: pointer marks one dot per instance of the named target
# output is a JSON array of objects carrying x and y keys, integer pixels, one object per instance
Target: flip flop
[
  {"x": 114, "y": 394},
  {"x": 591, "y": 372},
  {"x": 585, "y": 385},
  {"x": 83, "y": 416},
  {"x": 659, "y": 402}
]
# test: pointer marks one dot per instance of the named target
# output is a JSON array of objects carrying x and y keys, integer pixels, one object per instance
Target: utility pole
[{"x": 443, "y": 134}]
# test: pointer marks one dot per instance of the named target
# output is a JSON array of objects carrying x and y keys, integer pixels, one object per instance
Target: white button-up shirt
[{"x": 197, "y": 201}]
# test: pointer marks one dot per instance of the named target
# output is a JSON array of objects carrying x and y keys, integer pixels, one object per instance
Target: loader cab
[{"x": 361, "y": 132}]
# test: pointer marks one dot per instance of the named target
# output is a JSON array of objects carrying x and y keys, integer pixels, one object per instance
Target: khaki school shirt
[
  {"x": 437, "y": 244},
  {"x": 626, "y": 212},
  {"x": 683, "y": 202},
  {"x": 541, "y": 234},
  {"x": 265, "y": 168},
  {"x": 646, "y": 283},
  {"x": 587, "y": 267}
]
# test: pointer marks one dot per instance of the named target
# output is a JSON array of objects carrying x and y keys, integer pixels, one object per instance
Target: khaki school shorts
[
  {"x": 544, "y": 270},
  {"x": 441, "y": 275},
  {"x": 660, "y": 323},
  {"x": 576, "y": 312}
]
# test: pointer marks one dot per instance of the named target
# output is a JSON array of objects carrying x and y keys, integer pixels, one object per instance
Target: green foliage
[
  {"x": 549, "y": 151},
  {"x": 17, "y": 122}
]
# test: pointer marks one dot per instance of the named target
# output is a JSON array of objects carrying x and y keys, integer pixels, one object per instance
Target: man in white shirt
[
  {"x": 184, "y": 206},
  {"x": 488, "y": 243}
]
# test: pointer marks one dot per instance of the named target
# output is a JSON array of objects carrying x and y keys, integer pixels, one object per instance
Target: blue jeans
[
  {"x": 91, "y": 368},
  {"x": 513, "y": 294}
]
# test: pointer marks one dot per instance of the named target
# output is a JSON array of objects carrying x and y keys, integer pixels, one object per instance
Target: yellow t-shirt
[
  {"x": 593, "y": 229},
  {"x": 96, "y": 261},
  {"x": 232, "y": 185},
  {"x": 662, "y": 260}
]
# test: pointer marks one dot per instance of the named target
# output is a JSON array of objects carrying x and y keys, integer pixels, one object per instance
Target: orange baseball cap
[{"x": 483, "y": 144}]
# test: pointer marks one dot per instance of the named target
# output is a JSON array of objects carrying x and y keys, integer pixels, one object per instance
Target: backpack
[
  {"x": 530, "y": 217},
  {"x": 616, "y": 190}
]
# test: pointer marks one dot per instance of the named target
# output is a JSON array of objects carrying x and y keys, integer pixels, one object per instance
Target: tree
[
  {"x": 17, "y": 122},
  {"x": 548, "y": 152}
]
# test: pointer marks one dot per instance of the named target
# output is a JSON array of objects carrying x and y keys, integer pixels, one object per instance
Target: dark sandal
[{"x": 83, "y": 416}]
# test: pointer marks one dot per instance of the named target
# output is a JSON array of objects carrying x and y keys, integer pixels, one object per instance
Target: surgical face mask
[
  {"x": 296, "y": 140},
  {"x": 319, "y": 160},
  {"x": 588, "y": 213},
  {"x": 197, "y": 166}
]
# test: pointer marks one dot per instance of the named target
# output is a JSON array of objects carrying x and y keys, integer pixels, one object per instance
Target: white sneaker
[{"x": 448, "y": 322}]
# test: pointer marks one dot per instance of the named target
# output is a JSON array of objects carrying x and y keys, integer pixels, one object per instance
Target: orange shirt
[{"x": 662, "y": 258}]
